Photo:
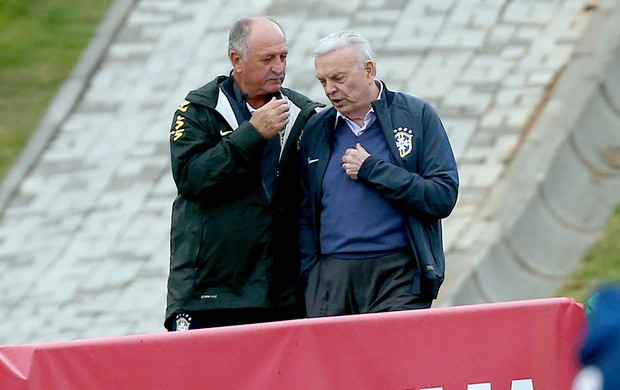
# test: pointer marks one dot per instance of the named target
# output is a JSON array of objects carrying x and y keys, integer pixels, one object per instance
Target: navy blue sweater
[{"x": 356, "y": 221}]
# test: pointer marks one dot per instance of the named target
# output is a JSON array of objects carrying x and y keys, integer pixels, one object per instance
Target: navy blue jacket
[{"x": 423, "y": 183}]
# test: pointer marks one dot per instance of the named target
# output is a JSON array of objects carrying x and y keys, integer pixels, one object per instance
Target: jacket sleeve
[
  {"x": 308, "y": 246},
  {"x": 205, "y": 154},
  {"x": 432, "y": 190}
]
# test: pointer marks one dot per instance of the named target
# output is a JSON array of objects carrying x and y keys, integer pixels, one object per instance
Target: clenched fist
[
  {"x": 353, "y": 159},
  {"x": 271, "y": 118}
]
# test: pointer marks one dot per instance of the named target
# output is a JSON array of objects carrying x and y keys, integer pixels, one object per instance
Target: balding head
[{"x": 242, "y": 30}]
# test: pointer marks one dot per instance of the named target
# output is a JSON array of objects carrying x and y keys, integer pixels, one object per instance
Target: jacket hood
[{"x": 207, "y": 94}]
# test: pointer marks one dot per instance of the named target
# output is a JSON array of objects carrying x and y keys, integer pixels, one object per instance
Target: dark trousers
[{"x": 354, "y": 286}]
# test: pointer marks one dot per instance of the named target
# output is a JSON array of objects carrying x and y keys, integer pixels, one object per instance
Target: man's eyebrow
[
  {"x": 337, "y": 75},
  {"x": 271, "y": 55}
]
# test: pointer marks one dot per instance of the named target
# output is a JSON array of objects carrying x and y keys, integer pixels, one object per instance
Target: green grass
[
  {"x": 600, "y": 265},
  {"x": 40, "y": 43}
]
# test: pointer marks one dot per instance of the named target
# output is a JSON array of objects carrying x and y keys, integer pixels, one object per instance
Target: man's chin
[{"x": 272, "y": 87}]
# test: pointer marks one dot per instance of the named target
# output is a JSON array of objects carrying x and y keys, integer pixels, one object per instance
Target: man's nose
[
  {"x": 279, "y": 65},
  {"x": 329, "y": 87}
]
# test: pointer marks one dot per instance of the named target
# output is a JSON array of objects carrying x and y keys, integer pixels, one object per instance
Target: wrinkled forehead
[{"x": 338, "y": 61}]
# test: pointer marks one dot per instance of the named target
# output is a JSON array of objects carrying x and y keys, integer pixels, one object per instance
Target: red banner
[{"x": 522, "y": 345}]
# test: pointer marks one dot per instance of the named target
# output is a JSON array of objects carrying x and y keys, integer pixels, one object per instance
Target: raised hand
[
  {"x": 271, "y": 118},
  {"x": 353, "y": 159}
]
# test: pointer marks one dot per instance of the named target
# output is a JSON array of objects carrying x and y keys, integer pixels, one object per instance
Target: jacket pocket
[{"x": 232, "y": 247}]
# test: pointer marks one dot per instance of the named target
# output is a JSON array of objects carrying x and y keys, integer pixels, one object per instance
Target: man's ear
[
  {"x": 235, "y": 60},
  {"x": 371, "y": 68}
]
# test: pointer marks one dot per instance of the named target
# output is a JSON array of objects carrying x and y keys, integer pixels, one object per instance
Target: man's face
[
  {"x": 263, "y": 72},
  {"x": 347, "y": 87}
]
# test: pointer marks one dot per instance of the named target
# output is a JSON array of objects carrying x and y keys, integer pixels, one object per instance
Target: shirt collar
[{"x": 241, "y": 97}]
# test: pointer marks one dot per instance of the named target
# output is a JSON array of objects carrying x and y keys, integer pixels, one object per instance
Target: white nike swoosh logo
[
  {"x": 224, "y": 133},
  {"x": 312, "y": 160}
]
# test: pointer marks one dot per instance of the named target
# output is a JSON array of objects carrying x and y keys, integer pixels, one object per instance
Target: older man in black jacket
[{"x": 234, "y": 258}]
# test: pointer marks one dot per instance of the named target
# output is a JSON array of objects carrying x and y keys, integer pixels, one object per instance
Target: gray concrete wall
[{"x": 557, "y": 195}]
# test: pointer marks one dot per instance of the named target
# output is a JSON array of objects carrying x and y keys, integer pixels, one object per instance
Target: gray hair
[
  {"x": 343, "y": 39},
  {"x": 240, "y": 32}
]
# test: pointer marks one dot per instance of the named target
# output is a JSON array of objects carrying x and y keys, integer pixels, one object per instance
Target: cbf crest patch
[
  {"x": 404, "y": 140},
  {"x": 183, "y": 322}
]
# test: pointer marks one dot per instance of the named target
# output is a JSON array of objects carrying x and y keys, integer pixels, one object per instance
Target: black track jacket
[{"x": 231, "y": 246}]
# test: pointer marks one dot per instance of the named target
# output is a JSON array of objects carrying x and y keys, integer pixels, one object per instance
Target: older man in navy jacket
[{"x": 378, "y": 174}]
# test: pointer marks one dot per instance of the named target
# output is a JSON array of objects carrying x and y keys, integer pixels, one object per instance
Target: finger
[
  {"x": 269, "y": 104},
  {"x": 281, "y": 107},
  {"x": 273, "y": 103}
]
